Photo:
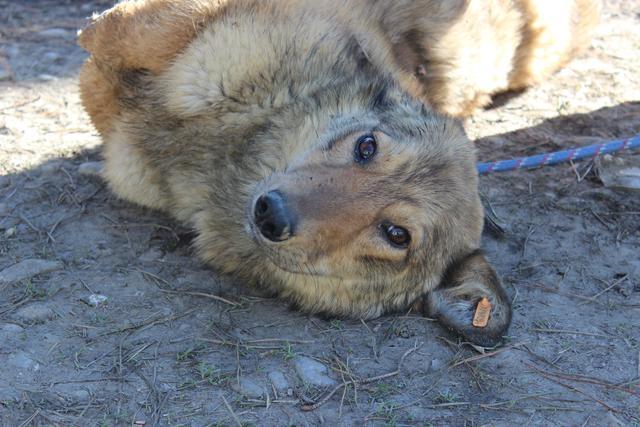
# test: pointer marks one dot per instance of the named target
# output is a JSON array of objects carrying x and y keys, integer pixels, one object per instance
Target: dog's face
[{"x": 369, "y": 213}]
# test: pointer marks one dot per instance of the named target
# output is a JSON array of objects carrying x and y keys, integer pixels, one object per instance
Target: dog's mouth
[{"x": 284, "y": 260}]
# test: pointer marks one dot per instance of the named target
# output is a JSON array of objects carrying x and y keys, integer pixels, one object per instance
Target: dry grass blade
[
  {"x": 233, "y": 414},
  {"x": 31, "y": 418},
  {"x": 204, "y": 295},
  {"x": 570, "y": 387},
  {"x": 585, "y": 379},
  {"x": 608, "y": 288},
  {"x": 485, "y": 355},
  {"x": 566, "y": 331}
]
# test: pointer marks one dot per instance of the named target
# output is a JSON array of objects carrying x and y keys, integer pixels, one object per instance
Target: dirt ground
[{"x": 123, "y": 325}]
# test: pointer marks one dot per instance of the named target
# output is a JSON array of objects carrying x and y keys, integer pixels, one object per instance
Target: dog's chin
[{"x": 273, "y": 256}]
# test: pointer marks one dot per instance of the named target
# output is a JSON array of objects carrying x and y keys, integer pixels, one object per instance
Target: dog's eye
[
  {"x": 398, "y": 236},
  {"x": 365, "y": 148}
]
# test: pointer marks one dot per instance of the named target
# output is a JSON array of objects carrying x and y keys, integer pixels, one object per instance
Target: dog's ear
[
  {"x": 145, "y": 34},
  {"x": 454, "y": 301}
]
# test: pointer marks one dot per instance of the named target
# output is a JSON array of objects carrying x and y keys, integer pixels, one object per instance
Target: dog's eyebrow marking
[{"x": 345, "y": 127}]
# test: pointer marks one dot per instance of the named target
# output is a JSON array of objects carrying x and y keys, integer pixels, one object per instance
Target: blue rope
[{"x": 553, "y": 158}]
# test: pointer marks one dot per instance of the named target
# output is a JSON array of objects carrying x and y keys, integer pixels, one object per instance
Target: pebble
[
  {"x": 312, "y": 372},
  {"x": 248, "y": 387},
  {"x": 436, "y": 364},
  {"x": 56, "y": 32},
  {"x": 150, "y": 255},
  {"x": 11, "y": 328},
  {"x": 34, "y": 313},
  {"x": 21, "y": 360},
  {"x": 26, "y": 269},
  {"x": 619, "y": 173},
  {"x": 608, "y": 420},
  {"x": 96, "y": 300},
  {"x": 278, "y": 380},
  {"x": 91, "y": 169},
  {"x": 9, "y": 332},
  {"x": 80, "y": 395},
  {"x": 50, "y": 168}
]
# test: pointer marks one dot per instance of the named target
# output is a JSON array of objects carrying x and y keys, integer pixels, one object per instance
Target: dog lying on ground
[{"x": 312, "y": 145}]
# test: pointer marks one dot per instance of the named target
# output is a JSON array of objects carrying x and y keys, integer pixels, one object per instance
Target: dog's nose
[{"x": 274, "y": 219}]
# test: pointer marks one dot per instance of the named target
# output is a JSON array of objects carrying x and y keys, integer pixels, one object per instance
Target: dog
[{"x": 316, "y": 148}]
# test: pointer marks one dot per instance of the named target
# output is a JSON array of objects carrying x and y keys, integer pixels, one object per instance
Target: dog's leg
[{"x": 454, "y": 302}]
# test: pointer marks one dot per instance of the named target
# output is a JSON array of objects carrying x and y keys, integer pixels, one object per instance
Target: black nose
[{"x": 272, "y": 216}]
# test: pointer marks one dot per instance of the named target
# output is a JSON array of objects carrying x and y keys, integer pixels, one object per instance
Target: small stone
[
  {"x": 9, "y": 332},
  {"x": 34, "y": 313},
  {"x": 91, "y": 169},
  {"x": 609, "y": 420},
  {"x": 278, "y": 380},
  {"x": 50, "y": 168},
  {"x": 51, "y": 56},
  {"x": 11, "y": 328},
  {"x": 21, "y": 360},
  {"x": 26, "y": 269},
  {"x": 47, "y": 77},
  {"x": 248, "y": 387},
  {"x": 312, "y": 372},
  {"x": 152, "y": 254},
  {"x": 620, "y": 173},
  {"x": 10, "y": 232},
  {"x": 80, "y": 395},
  {"x": 56, "y": 33},
  {"x": 436, "y": 364},
  {"x": 96, "y": 300}
]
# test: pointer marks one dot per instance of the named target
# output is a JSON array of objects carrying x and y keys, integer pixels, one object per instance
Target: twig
[
  {"x": 556, "y": 291},
  {"x": 239, "y": 343},
  {"x": 614, "y": 284},
  {"x": 31, "y": 418},
  {"x": 362, "y": 381},
  {"x": 233, "y": 414},
  {"x": 202, "y": 294},
  {"x": 20, "y": 104},
  {"x": 588, "y": 380},
  {"x": 147, "y": 324},
  {"x": 448, "y": 404},
  {"x": 30, "y": 224},
  {"x": 565, "y": 331},
  {"x": 570, "y": 387},
  {"x": 493, "y": 353}
]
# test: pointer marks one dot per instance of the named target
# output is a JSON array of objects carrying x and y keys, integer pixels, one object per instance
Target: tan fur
[
  {"x": 205, "y": 106},
  {"x": 464, "y": 51}
]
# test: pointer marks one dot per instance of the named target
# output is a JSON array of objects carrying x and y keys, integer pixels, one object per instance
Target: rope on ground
[{"x": 548, "y": 159}]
